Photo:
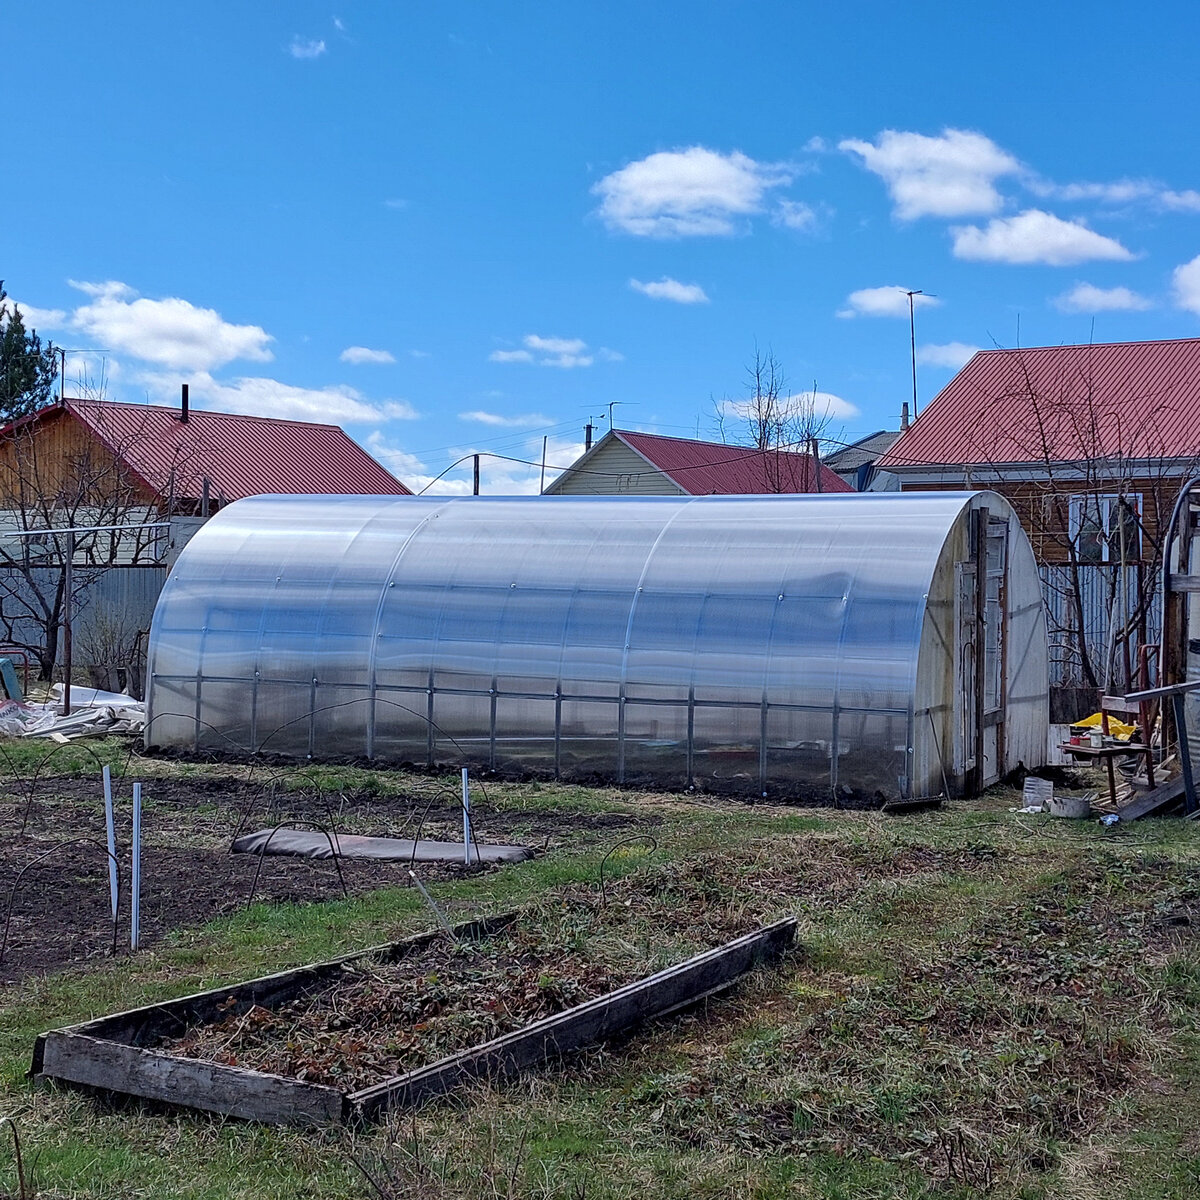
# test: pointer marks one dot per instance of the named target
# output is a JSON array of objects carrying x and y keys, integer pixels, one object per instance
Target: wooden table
[{"x": 1107, "y": 754}]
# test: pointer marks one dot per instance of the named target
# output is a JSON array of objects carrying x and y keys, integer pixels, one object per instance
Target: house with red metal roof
[
  {"x": 647, "y": 464},
  {"x": 1090, "y": 443},
  {"x": 183, "y": 461}
]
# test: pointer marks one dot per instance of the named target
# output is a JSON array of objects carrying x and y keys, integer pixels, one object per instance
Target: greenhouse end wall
[{"x": 766, "y": 645}]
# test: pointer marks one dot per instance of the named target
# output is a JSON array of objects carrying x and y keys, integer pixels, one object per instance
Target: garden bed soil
[
  {"x": 60, "y": 911},
  {"x": 381, "y": 1019}
]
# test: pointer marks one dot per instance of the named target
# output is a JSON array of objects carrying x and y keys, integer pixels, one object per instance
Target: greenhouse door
[
  {"x": 995, "y": 580},
  {"x": 980, "y": 605}
]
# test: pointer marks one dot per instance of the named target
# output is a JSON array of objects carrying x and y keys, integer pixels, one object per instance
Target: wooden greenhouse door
[
  {"x": 966, "y": 723},
  {"x": 980, "y": 605},
  {"x": 993, "y": 600}
]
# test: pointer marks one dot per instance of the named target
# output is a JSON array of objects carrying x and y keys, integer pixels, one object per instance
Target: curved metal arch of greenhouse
[{"x": 853, "y": 647}]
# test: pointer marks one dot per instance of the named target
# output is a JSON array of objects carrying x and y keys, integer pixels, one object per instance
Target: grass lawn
[{"x": 980, "y": 1003}]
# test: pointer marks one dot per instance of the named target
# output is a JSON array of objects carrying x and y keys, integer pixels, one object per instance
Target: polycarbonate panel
[{"x": 643, "y": 639}]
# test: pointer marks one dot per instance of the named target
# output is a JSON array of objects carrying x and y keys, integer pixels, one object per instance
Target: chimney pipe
[
  {"x": 904, "y": 416},
  {"x": 587, "y": 437},
  {"x": 183, "y": 403}
]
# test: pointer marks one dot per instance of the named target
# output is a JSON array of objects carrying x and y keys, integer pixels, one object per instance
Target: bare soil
[{"x": 59, "y": 911}]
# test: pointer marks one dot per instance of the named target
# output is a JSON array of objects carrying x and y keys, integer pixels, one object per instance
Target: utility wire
[{"x": 744, "y": 453}]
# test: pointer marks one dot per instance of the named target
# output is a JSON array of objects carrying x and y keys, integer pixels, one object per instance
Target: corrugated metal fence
[
  {"x": 116, "y": 607},
  {"x": 1098, "y": 596}
]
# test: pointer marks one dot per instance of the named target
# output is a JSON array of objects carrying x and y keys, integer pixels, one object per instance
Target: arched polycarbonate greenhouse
[{"x": 863, "y": 647}]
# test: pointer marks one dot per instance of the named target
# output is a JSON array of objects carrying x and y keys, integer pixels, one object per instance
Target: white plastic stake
[
  {"x": 135, "y": 881},
  {"x": 112, "y": 840},
  {"x": 466, "y": 806}
]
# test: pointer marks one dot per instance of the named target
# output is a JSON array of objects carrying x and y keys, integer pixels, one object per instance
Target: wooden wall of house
[
  {"x": 48, "y": 458},
  {"x": 1044, "y": 513}
]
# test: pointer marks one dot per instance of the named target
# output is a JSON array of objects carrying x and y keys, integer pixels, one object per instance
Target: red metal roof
[
  {"x": 1062, "y": 404},
  {"x": 239, "y": 455},
  {"x": 712, "y": 468}
]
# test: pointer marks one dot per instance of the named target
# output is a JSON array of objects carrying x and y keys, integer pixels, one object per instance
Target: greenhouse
[{"x": 854, "y": 648}]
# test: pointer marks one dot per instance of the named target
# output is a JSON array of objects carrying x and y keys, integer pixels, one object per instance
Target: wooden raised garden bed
[{"x": 138, "y": 1052}]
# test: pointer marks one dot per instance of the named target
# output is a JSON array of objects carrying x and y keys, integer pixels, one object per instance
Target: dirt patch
[
  {"x": 229, "y": 803},
  {"x": 61, "y": 912}
]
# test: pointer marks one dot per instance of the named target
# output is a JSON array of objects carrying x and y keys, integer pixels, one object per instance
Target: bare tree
[
  {"x": 56, "y": 475},
  {"x": 1089, "y": 473},
  {"x": 782, "y": 424}
]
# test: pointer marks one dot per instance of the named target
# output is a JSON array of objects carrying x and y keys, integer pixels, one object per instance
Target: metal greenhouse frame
[{"x": 854, "y": 647}]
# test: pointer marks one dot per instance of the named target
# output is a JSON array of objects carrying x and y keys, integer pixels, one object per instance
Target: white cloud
[
  {"x": 552, "y": 352},
  {"x": 172, "y": 332},
  {"x": 33, "y": 318},
  {"x": 555, "y": 345},
  {"x": 952, "y": 175},
  {"x": 884, "y": 302},
  {"x": 948, "y": 354},
  {"x": 1186, "y": 201},
  {"x": 498, "y": 476},
  {"x": 359, "y": 355},
  {"x": 821, "y": 405},
  {"x": 408, "y": 468},
  {"x": 693, "y": 192},
  {"x": 261, "y": 397},
  {"x": 1087, "y": 298},
  {"x": 1035, "y": 236},
  {"x": 91, "y": 373},
  {"x": 521, "y": 421},
  {"x": 671, "y": 289},
  {"x": 1120, "y": 191},
  {"x": 306, "y": 47},
  {"x": 1186, "y": 281},
  {"x": 560, "y": 453},
  {"x": 793, "y": 214},
  {"x": 418, "y": 353}
]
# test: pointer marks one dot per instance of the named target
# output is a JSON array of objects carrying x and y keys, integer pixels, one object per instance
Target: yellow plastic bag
[{"x": 1117, "y": 729}]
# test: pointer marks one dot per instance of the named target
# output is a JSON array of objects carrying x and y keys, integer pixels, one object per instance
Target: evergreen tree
[{"x": 27, "y": 368}]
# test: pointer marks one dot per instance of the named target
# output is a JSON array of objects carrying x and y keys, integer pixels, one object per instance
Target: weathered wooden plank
[
  {"x": 213, "y": 1087},
  {"x": 1166, "y": 794},
  {"x": 655, "y": 996}
]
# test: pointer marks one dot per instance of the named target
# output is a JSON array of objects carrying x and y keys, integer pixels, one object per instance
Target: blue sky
[{"x": 459, "y": 228}]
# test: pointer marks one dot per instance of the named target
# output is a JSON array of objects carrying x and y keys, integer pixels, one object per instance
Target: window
[{"x": 1096, "y": 522}]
